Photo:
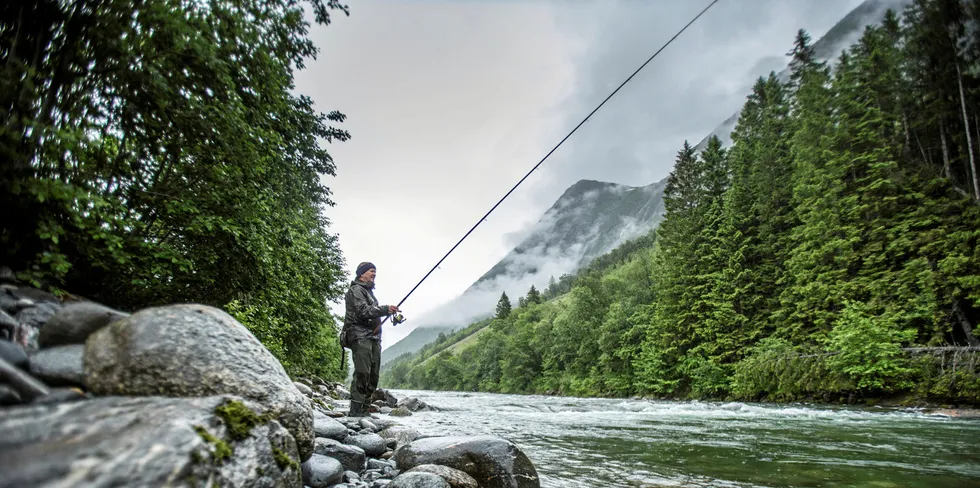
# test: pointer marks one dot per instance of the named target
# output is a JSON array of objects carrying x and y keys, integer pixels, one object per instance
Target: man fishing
[{"x": 362, "y": 321}]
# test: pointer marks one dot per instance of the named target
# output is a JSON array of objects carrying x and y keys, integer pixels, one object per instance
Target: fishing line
[{"x": 621, "y": 85}]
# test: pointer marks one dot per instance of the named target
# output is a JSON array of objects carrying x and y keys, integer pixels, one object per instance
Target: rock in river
[
  {"x": 493, "y": 461},
  {"x": 144, "y": 441},
  {"x": 194, "y": 350}
]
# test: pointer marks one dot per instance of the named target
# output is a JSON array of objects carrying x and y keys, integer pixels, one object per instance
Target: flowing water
[{"x": 578, "y": 442}]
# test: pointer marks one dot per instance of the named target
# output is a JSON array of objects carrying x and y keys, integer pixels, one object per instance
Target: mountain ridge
[{"x": 589, "y": 219}]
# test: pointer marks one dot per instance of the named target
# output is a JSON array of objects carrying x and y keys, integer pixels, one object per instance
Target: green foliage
[
  {"x": 825, "y": 256},
  {"x": 503, "y": 306},
  {"x": 156, "y": 154},
  {"x": 869, "y": 350}
]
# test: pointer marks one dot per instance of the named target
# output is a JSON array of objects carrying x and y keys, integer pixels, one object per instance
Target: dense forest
[
  {"x": 831, "y": 253},
  {"x": 154, "y": 152}
]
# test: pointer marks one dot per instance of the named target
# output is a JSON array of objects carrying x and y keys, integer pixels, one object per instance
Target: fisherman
[{"x": 363, "y": 320}]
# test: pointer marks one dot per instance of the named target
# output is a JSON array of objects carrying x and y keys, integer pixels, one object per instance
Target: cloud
[{"x": 692, "y": 86}]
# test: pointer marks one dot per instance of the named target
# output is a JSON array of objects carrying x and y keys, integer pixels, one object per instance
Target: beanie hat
[{"x": 363, "y": 267}]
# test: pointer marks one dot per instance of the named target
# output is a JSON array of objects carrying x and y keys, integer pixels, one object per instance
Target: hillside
[{"x": 588, "y": 220}]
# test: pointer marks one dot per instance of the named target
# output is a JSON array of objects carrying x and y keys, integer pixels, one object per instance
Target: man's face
[{"x": 368, "y": 276}]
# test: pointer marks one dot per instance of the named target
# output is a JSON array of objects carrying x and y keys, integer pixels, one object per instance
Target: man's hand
[{"x": 392, "y": 309}]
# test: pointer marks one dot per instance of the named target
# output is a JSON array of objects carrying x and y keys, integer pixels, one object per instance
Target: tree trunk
[
  {"x": 969, "y": 140},
  {"x": 908, "y": 134},
  {"x": 965, "y": 324},
  {"x": 942, "y": 137}
]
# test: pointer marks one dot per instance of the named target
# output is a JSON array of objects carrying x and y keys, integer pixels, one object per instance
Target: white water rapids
[{"x": 578, "y": 442}]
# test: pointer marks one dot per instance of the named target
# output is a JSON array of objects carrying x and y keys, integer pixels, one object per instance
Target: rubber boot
[{"x": 356, "y": 409}]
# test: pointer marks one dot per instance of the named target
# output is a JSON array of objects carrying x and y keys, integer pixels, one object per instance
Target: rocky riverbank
[{"x": 184, "y": 395}]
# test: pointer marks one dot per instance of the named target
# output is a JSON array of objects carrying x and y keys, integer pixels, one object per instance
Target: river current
[{"x": 584, "y": 442}]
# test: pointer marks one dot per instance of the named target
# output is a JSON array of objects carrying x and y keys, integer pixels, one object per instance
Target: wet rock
[
  {"x": 352, "y": 423},
  {"x": 493, "y": 461},
  {"x": 329, "y": 428},
  {"x": 322, "y": 471},
  {"x": 418, "y": 480},
  {"x": 31, "y": 321},
  {"x": 75, "y": 322},
  {"x": 367, "y": 424},
  {"x": 342, "y": 393},
  {"x": 194, "y": 350},
  {"x": 60, "y": 395},
  {"x": 34, "y": 295},
  {"x": 351, "y": 457},
  {"x": 373, "y": 444},
  {"x": 385, "y": 397},
  {"x": 8, "y": 326},
  {"x": 140, "y": 441},
  {"x": 455, "y": 477},
  {"x": 400, "y": 412},
  {"x": 379, "y": 464},
  {"x": 13, "y": 354},
  {"x": 8, "y": 302},
  {"x": 350, "y": 476},
  {"x": 303, "y": 388},
  {"x": 59, "y": 366}
]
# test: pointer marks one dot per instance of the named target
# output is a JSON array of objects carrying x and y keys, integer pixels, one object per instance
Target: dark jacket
[{"x": 363, "y": 313}]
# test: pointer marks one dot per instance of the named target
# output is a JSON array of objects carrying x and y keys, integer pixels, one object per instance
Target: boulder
[
  {"x": 351, "y": 457},
  {"x": 373, "y": 444},
  {"x": 493, "y": 461},
  {"x": 58, "y": 366},
  {"x": 75, "y": 322},
  {"x": 322, "y": 471},
  {"x": 191, "y": 350},
  {"x": 400, "y": 412},
  {"x": 418, "y": 480},
  {"x": 329, "y": 428},
  {"x": 455, "y": 477},
  {"x": 303, "y": 388},
  {"x": 383, "y": 396},
  {"x": 143, "y": 441}
]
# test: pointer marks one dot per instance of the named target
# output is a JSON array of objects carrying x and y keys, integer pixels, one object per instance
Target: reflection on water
[{"x": 633, "y": 443}]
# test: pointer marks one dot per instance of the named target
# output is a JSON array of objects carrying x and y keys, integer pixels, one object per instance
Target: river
[{"x": 584, "y": 442}]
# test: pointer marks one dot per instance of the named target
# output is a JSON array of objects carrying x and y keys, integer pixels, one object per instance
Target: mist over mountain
[
  {"x": 593, "y": 217},
  {"x": 827, "y": 48},
  {"x": 588, "y": 220}
]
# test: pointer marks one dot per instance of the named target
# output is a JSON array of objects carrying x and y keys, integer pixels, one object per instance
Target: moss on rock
[
  {"x": 239, "y": 419},
  {"x": 222, "y": 450},
  {"x": 285, "y": 461}
]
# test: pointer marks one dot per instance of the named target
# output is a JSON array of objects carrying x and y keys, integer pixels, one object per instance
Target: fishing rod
[{"x": 401, "y": 318}]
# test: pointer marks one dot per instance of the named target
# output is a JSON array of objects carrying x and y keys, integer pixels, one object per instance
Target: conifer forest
[{"x": 831, "y": 252}]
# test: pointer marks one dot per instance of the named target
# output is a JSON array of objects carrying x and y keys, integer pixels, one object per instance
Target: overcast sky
[{"x": 450, "y": 103}]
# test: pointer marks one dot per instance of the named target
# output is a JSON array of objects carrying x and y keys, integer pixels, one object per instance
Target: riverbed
[{"x": 579, "y": 442}]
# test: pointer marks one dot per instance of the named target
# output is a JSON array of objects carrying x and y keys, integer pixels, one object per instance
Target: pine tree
[
  {"x": 503, "y": 306},
  {"x": 533, "y": 296}
]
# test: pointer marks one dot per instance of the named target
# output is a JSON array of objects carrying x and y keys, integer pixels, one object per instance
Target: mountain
[
  {"x": 588, "y": 220},
  {"x": 593, "y": 217}
]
